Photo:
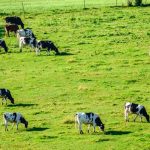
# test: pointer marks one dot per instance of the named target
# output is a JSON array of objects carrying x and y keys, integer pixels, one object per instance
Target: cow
[
  {"x": 5, "y": 94},
  {"x": 90, "y": 119},
  {"x": 25, "y": 33},
  {"x": 11, "y": 28},
  {"x": 137, "y": 109},
  {"x": 15, "y": 117},
  {"x": 49, "y": 45},
  {"x": 27, "y": 41},
  {"x": 3, "y": 45},
  {"x": 14, "y": 20}
]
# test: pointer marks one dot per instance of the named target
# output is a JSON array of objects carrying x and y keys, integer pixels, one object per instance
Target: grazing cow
[
  {"x": 88, "y": 118},
  {"x": 25, "y": 33},
  {"x": 46, "y": 45},
  {"x": 11, "y": 28},
  {"x": 3, "y": 45},
  {"x": 14, "y": 20},
  {"x": 5, "y": 94},
  {"x": 27, "y": 41},
  {"x": 14, "y": 118},
  {"x": 137, "y": 109}
]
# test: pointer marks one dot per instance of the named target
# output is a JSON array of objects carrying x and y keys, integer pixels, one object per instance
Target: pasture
[{"x": 104, "y": 63}]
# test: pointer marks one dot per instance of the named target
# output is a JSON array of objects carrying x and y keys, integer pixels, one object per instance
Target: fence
[{"x": 39, "y": 5}]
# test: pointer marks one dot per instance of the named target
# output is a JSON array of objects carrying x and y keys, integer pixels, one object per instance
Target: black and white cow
[
  {"x": 3, "y": 45},
  {"x": 14, "y": 118},
  {"x": 90, "y": 119},
  {"x": 5, "y": 94},
  {"x": 49, "y": 45},
  {"x": 25, "y": 33},
  {"x": 27, "y": 41},
  {"x": 14, "y": 20},
  {"x": 137, "y": 109}
]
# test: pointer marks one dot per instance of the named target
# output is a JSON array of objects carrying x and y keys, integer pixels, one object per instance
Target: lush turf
[{"x": 104, "y": 63}]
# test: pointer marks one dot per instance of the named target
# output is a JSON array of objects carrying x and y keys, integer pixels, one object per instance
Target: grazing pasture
[{"x": 104, "y": 63}]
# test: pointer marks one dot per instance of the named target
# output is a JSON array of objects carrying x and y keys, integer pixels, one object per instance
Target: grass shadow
[
  {"x": 117, "y": 132},
  {"x": 2, "y": 32},
  {"x": 37, "y": 129},
  {"x": 21, "y": 105}
]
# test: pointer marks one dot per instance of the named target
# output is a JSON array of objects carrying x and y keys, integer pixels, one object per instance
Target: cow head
[
  {"x": 55, "y": 48},
  {"x": 102, "y": 127},
  {"x": 22, "y": 120},
  {"x": 99, "y": 123},
  {"x": 26, "y": 124}
]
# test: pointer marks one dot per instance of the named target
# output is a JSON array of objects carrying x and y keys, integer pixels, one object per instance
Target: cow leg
[
  {"x": 126, "y": 115},
  {"x": 94, "y": 125},
  {"x": 17, "y": 125},
  {"x": 88, "y": 128},
  {"x": 80, "y": 128},
  {"x": 37, "y": 51},
  {"x": 141, "y": 118},
  {"x": 20, "y": 46},
  {"x": 48, "y": 51},
  {"x": 135, "y": 118},
  {"x": 6, "y": 124}
]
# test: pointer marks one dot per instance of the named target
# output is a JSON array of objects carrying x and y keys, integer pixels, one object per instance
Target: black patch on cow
[
  {"x": 89, "y": 115},
  {"x": 22, "y": 120},
  {"x": 15, "y": 116},
  {"x": 144, "y": 113},
  {"x": 134, "y": 108},
  {"x": 98, "y": 121},
  {"x": 14, "y": 20}
]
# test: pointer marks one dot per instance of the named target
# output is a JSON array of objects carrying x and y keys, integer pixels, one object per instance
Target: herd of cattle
[
  {"x": 26, "y": 37},
  {"x": 80, "y": 117}
]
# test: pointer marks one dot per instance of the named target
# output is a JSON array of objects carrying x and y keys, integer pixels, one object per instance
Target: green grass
[{"x": 107, "y": 64}]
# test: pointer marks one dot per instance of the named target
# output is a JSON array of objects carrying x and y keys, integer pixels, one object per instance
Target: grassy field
[{"x": 104, "y": 63}]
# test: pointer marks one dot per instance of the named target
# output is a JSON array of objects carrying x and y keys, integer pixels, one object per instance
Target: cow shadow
[
  {"x": 21, "y": 105},
  {"x": 37, "y": 129},
  {"x": 117, "y": 132},
  {"x": 64, "y": 54}
]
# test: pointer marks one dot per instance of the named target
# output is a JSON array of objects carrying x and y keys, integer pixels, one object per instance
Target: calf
[
  {"x": 5, "y": 94},
  {"x": 88, "y": 118},
  {"x": 11, "y": 28},
  {"x": 137, "y": 109},
  {"x": 14, "y": 20},
  {"x": 27, "y": 41},
  {"x": 3, "y": 45},
  {"x": 25, "y": 33},
  {"x": 46, "y": 45},
  {"x": 14, "y": 118}
]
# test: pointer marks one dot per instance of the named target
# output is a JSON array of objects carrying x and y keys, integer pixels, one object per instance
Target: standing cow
[
  {"x": 5, "y": 94},
  {"x": 3, "y": 45},
  {"x": 137, "y": 109},
  {"x": 14, "y": 118},
  {"x": 11, "y": 28},
  {"x": 27, "y": 41},
  {"x": 49, "y": 45},
  {"x": 90, "y": 119},
  {"x": 14, "y": 20}
]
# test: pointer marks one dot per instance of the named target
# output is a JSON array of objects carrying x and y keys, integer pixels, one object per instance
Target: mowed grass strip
[{"x": 104, "y": 63}]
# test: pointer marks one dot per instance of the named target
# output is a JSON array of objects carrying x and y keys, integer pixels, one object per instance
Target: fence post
[
  {"x": 116, "y": 2},
  {"x": 23, "y": 10},
  {"x": 84, "y": 4}
]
